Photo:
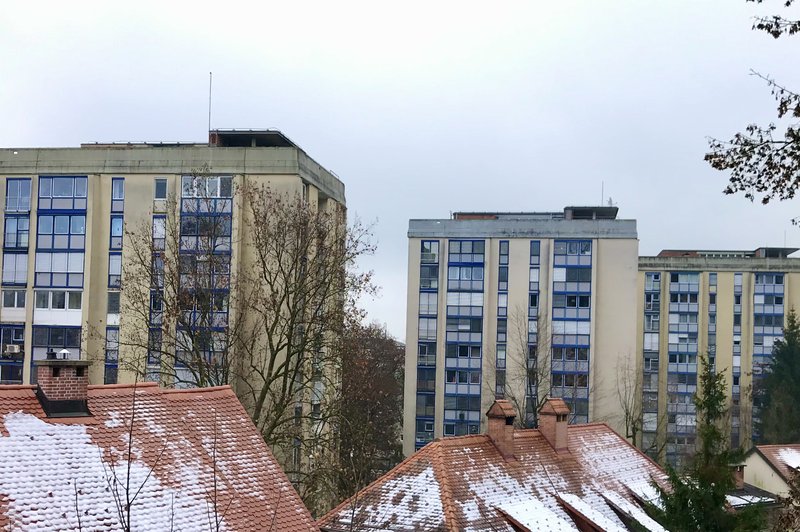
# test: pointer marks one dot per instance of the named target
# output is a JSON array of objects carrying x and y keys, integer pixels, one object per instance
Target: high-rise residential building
[
  {"x": 728, "y": 305},
  {"x": 517, "y": 306},
  {"x": 66, "y": 211}
]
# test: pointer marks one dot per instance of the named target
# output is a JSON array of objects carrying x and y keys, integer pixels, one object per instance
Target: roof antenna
[
  {"x": 602, "y": 192},
  {"x": 209, "y": 101}
]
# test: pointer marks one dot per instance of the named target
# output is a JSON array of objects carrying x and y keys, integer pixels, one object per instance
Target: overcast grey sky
[{"x": 423, "y": 108}]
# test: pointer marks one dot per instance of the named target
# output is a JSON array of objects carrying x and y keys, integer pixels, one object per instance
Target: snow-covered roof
[
  {"x": 464, "y": 483},
  {"x": 783, "y": 458},
  {"x": 192, "y": 461}
]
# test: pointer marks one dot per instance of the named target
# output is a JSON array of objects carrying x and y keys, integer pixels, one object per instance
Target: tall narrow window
[{"x": 160, "y": 189}]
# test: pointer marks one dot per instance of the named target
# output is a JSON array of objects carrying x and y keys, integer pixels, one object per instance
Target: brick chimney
[
  {"x": 63, "y": 385},
  {"x": 501, "y": 427},
  {"x": 738, "y": 475},
  {"x": 553, "y": 417}
]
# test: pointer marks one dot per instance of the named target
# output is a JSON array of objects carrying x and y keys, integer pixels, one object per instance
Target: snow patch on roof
[
  {"x": 591, "y": 513},
  {"x": 738, "y": 501},
  {"x": 633, "y": 511},
  {"x": 114, "y": 420},
  {"x": 45, "y": 467},
  {"x": 790, "y": 457},
  {"x": 534, "y": 515},
  {"x": 412, "y": 498}
]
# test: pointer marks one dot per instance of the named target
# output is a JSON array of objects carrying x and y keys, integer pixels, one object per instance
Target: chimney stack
[
  {"x": 501, "y": 427},
  {"x": 553, "y": 417},
  {"x": 738, "y": 475},
  {"x": 63, "y": 386}
]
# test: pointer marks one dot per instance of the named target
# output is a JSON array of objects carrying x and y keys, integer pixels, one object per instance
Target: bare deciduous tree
[{"x": 249, "y": 287}]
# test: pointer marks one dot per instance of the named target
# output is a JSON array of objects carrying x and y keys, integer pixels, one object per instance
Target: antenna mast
[{"x": 209, "y": 101}]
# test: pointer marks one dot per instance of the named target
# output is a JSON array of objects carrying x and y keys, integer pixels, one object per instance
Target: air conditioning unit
[{"x": 12, "y": 349}]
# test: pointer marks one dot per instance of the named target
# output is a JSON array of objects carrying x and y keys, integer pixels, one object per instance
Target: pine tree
[
  {"x": 777, "y": 393},
  {"x": 695, "y": 500}
]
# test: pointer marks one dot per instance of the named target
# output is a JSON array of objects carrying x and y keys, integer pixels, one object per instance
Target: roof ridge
[
  {"x": 122, "y": 386},
  {"x": 171, "y": 391},
  {"x": 11, "y": 387},
  {"x": 440, "y": 472}
]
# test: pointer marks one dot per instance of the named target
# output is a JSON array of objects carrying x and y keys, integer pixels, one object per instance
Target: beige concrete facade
[
  {"x": 261, "y": 157},
  {"x": 468, "y": 342},
  {"x": 729, "y": 305},
  {"x": 760, "y": 473}
]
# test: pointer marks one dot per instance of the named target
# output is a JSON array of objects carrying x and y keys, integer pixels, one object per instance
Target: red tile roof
[
  {"x": 464, "y": 483},
  {"x": 195, "y": 454},
  {"x": 783, "y": 458}
]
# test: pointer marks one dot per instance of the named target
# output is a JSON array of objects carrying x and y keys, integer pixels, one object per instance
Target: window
[
  {"x": 62, "y": 193},
  {"x": 56, "y": 337},
  {"x": 14, "y": 298},
  {"x": 769, "y": 278},
  {"x": 59, "y": 269},
  {"x": 111, "y": 355},
  {"x": 114, "y": 270},
  {"x": 61, "y": 232},
  {"x": 18, "y": 195},
  {"x": 426, "y": 354},
  {"x": 206, "y": 186},
  {"x": 116, "y": 232},
  {"x": 113, "y": 303},
  {"x": 426, "y": 405},
  {"x": 651, "y": 322},
  {"x": 462, "y": 351},
  {"x": 683, "y": 298},
  {"x": 465, "y": 324},
  {"x": 117, "y": 188},
  {"x": 15, "y": 268},
  {"x": 679, "y": 277},
  {"x": 535, "y": 249},
  {"x": 58, "y": 300},
  {"x": 159, "y": 232},
  {"x": 426, "y": 380},
  {"x": 427, "y": 329},
  {"x": 712, "y": 279},
  {"x": 160, "y": 188},
  {"x": 572, "y": 275},
  {"x": 503, "y": 259},
  {"x": 572, "y": 247},
  {"x": 17, "y": 230},
  {"x": 428, "y": 303},
  {"x": 430, "y": 251},
  {"x": 466, "y": 250},
  {"x": 652, "y": 301},
  {"x": 502, "y": 330},
  {"x": 571, "y": 301},
  {"x": 502, "y": 278}
]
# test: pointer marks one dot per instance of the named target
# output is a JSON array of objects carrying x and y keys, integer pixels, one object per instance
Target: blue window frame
[
  {"x": 117, "y": 194},
  {"x": 111, "y": 355},
  {"x": 60, "y": 269},
  {"x": 17, "y": 231},
  {"x": 11, "y": 358},
  {"x": 61, "y": 231},
  {"x": 62, "y": 193},
  {"x": 117, "y": 230},
  {"x": 18, "y": 195},
  {"x": 114, "y": 270}
]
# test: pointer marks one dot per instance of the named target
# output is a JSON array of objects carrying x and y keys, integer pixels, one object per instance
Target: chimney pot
[
  {"x": 501, "y": 417},
  {"x": 553, "y": 417}
]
